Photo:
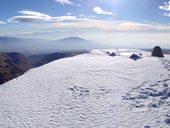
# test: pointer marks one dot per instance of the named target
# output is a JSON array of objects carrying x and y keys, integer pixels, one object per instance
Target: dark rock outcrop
[
  {"x": 112, "y": 54},
  {"x": 157, "y": 52},
  {"x": 39, "y": 60},
  {"x": 135, "y": 57},
  {"x": 12, "y": 65}
]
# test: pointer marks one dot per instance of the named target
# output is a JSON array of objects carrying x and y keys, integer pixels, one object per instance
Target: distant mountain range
[
  {"x": 75, "y": 43},
  {"x": 9, "y": 40},
  {"x": 37, "y": 46},
  {"x": 22, "y": 45},
  {"x": 38, "y": 60}
]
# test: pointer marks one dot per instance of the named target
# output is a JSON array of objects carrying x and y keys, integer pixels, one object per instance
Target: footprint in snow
[{"x": 79, "y": 92}]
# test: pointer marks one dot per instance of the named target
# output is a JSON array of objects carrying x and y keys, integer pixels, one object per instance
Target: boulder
[
  {"x": 112, "y": 54},
  {"x": 135, "y": 57},
  {"x": 157, "y": 52}
]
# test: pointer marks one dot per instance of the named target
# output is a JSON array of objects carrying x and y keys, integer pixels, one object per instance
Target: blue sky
[{"x": 142, "y": 21}]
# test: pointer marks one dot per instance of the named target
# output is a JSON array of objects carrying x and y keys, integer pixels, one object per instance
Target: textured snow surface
[{"x": 92, "y": 90}]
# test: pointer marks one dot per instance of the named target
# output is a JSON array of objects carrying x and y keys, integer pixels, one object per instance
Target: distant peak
[{"x": 73, "y": 38}]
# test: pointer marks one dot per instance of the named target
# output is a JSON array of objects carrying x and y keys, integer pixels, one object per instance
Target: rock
[
  {"x": 135, "y": 57},
  {"x": 167, "y": 121},
  {"x": 157, "y": 52},
  {"x": 112, "y": 54}
]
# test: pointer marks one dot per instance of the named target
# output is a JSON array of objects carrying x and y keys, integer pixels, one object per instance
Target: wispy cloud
[
  {"x": 64, "y": 2},
  {"x": 166, "y": 7},
  {"x": 37, "y": 20},
  {"x": 99, "y": 10},
  {"x": 32, "y": 16},
  {"x": 115, "y": 26},
  {"x": 104, "y": 25},
  {"x": 2, "y": 22}
]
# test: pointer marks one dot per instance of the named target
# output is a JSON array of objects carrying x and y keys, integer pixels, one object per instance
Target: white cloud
[
  {"x": 99, "y": 10},
  {"x": 64, "y": 2},
  {"x": 166, "y": 7},
  {"x": 2, "y": 22},
  {"x": 32, "y": 16}
]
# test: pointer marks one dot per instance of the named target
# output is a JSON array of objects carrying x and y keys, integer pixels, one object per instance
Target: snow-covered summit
[{"x": 92, "y": 90}]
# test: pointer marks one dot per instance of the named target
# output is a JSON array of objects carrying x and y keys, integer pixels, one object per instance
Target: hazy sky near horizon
[{"x": 133, "y": 23}]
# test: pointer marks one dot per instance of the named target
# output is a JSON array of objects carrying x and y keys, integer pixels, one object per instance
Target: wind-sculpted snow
[
  {"x": 153, "y": 95},
  {"x": 90, "y": 91}
]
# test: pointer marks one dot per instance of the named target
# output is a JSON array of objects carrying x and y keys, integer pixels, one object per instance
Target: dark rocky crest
[
  {"x": 12, "y": 65},
  {"x": 157, "y": 52}
]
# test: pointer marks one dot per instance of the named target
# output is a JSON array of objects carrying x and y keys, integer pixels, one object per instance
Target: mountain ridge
[
  {"x": 12, "y": 65},
  {"x": 90, "y": 90},
  {"x": 15, "y": 64}
]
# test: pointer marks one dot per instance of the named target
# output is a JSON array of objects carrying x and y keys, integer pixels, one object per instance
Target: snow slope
[{"x": 91, "y": 90}]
